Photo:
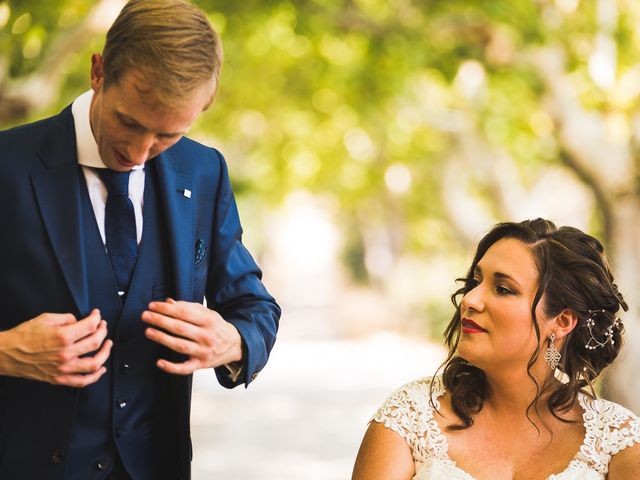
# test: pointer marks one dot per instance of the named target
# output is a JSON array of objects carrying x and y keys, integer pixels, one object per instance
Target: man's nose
[{"x": 140, "y": 149}]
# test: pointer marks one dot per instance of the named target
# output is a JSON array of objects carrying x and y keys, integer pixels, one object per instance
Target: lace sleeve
[
  {"x": 624, "y": 431},
  {"x": 408, "y": 413},
  {"x": 610, "y": 428}
]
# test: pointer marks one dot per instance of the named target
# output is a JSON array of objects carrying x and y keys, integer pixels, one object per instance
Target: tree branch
[
  {"x": 583, "y": 134},
  {"x": 20, "y": 96}
]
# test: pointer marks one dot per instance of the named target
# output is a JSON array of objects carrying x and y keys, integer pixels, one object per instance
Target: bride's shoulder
[
  {"x": 431, "y": 384},
  {"x": 619, "y": 424},
  {"x": 613, "y": 432},
  {"x": 625, "y": 461},
  {"x": 416, "y": 394},
  {"x": 602, "y": 412},
  {"x": 409, "y": 410}
]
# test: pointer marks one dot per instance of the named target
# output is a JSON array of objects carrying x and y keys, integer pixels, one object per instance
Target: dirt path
[{"x": 304, "y": 417}]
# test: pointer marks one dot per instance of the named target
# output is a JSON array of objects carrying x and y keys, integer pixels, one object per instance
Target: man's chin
[{"x": 112, "y": 162}]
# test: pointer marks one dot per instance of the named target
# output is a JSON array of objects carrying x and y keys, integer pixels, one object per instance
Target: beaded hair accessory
[{"x": 595, "y": 343}]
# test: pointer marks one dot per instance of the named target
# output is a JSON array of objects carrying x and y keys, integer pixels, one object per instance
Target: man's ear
[
  {"x": 97, "y": 72},
  {"x": 564, "y": 323},
  {"x": 214, "y": 90}
]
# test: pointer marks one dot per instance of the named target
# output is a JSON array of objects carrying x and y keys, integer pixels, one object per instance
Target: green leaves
[{"x": 368, "y": 101}]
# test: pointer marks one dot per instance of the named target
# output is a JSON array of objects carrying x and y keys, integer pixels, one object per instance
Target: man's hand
[
  {"x": 50, "y": 348},
  {"x": 193, "y": 330}
]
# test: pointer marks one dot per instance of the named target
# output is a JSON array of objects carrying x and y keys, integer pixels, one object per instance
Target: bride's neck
[{"x": 510, "y": 395}]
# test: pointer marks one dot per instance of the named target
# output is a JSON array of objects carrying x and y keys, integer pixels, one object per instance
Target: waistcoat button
[{"x": 57, "y": 456}]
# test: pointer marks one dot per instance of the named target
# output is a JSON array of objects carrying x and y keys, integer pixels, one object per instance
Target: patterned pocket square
[{"x": 201, "y": 251}]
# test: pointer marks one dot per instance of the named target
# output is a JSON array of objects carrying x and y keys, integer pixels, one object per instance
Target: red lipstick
[{"x": 469, "y": 326}]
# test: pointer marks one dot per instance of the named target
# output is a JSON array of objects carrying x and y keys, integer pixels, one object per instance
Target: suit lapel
[
  {"x": 58, "y": 195},
  {"x": 176, "y": 191},
  {"x": 57, "y": 191}
]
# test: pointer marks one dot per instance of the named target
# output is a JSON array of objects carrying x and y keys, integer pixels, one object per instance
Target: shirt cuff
[{"x": 235, "y": 370}]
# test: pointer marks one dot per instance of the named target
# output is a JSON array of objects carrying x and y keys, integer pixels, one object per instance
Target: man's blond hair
[{"x": 170, "y": 41}]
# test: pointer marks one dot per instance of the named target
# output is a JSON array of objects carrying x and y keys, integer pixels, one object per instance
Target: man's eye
[{"x": 127, "y": 123}]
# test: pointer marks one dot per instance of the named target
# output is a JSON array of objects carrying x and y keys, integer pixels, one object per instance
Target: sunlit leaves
[{"x": 364, "y": 100}]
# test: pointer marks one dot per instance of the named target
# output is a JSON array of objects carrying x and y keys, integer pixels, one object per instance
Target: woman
[{"x": 535, "y": 327}]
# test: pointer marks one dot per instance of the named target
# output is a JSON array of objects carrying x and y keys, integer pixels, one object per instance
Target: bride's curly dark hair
[{"x": 573, "y": 274}]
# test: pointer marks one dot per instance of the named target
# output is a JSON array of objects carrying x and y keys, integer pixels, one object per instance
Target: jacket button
[
  {"x": 103, "y": 465},
  {"x": 122, "y": 402},
  {"x": 125, "y": 368},
  {"x": 57, "y": 456}
]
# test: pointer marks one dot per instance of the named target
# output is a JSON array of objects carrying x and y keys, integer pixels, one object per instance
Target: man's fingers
[
  {"x": 176, "y": 344},
  {"x": 189, "y": 312},
  {"x": 88, "y": 364},
  {"x": 172, "y": 325},
  {"x": 79, "y": 381},
  {"x": 59, "y": 319},
  {"x": 184, "y": 368},
  {"x": 90, "y": 343},
  {"x": 83, "y": 327}
]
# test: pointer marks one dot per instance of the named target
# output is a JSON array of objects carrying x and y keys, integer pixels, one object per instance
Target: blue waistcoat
[{"x": 130, "y": 412}]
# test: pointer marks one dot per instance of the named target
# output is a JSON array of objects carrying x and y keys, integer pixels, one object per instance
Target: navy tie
[{"x": 120, "y": 226}]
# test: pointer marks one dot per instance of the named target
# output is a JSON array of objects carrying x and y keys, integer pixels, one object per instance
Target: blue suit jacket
[{"x": 43, "y": 268}]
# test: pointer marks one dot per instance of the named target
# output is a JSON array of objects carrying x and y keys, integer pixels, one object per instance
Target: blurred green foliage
[
  {"x": 393, "y": 112},
  {"x": 352, "y": 99}
]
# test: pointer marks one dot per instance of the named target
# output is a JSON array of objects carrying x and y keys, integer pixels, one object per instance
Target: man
[{"x": 116, "y": 227}]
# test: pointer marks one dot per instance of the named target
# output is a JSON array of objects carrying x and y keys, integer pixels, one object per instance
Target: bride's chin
[{"x": 470, "y": 353}]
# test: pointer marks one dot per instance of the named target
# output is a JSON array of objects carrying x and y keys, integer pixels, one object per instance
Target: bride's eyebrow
[
  {"x": 498, "y": 275},
  {"x": 505, "y": 276}
]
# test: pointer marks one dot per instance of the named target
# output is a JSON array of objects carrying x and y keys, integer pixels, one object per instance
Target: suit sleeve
[{"x": 234, "y": 288}]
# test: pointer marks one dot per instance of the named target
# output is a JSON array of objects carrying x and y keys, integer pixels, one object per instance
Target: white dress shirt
[{"x": 89, "y": 158}]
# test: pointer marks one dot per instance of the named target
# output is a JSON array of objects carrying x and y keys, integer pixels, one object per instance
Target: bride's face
[{"x": 496, "y": 323}]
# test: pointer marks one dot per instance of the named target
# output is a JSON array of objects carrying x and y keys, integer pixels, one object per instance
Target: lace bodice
[{"x": 609, "y": 429}]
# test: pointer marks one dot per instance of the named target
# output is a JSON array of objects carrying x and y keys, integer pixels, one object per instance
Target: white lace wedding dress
[{"x": 609, "y": 429}]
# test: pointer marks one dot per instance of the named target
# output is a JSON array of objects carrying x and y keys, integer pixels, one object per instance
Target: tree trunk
[{"x": 621, "y": 380}]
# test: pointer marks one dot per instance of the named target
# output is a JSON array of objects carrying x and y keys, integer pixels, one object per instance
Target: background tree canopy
[{"x": 421, "y": 123}]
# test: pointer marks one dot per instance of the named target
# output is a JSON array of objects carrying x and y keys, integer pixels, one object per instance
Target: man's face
[{"x": 131, "y": 125}]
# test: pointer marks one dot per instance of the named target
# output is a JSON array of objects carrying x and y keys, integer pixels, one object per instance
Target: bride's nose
[{"x": 473, "y": 300}]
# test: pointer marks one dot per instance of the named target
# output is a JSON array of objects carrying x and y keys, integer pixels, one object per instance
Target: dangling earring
[{"x": 552, "y": 355}]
